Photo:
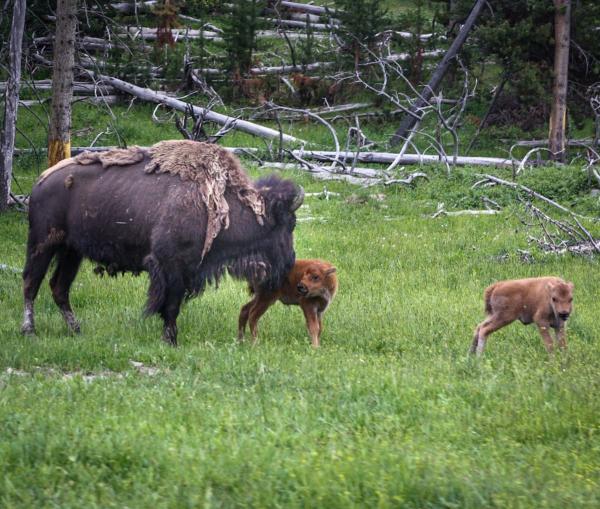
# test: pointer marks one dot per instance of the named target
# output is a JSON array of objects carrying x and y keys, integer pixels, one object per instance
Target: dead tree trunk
[
  {"x": 558, "y": 115},
  {"x": 410, "y": 120},
  {"x": 59, "y": 136},
  {"x": 7, "y": 140}
]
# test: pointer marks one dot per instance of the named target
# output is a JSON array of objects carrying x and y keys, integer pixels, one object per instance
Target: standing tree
[
  {"x": 59, "y": 136},
  {"x": 558, "y": 115},
  {"x": 240, "y": 35},
  {"x": 7, "y": 138},
  {"x": 410, "y": 120},
  {"x": 361, "y": 21}
]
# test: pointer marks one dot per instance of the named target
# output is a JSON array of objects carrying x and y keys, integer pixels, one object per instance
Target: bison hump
[{"x": 212, "y": 170}]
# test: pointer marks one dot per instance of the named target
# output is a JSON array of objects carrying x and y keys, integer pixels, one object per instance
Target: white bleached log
[
  {"x": 78, "y": 87},
  {"x": 390, "y": 157}
]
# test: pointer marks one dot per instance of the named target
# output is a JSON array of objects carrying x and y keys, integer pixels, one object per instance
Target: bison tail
[
  {"x": 487, "y": 296},
  {"x": 158, "y": 286}
]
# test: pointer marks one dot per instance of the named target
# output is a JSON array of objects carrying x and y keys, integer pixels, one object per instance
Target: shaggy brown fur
[
  {"x": 547, "y": 301},
  {"x": 311, "y": 284},
  {"x": 209, "y": 167},
  {"x": 212, "y": 169}
]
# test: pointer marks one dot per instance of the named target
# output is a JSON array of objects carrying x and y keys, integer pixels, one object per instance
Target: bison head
[
  {"x": 260, "y": 251},
  {"x": 561, "y": 295},
  {"x": 282, "y": 198}
]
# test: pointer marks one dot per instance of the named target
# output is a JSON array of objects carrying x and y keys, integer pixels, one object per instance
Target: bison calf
[
  {"x": 311, "y": 284},
  {"x": 547, "y": 301}
]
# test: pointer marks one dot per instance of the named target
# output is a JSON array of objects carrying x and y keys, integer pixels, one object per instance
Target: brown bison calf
[
  {"x": 311, "y": 284},
  {"x": 547, "y": 301}
]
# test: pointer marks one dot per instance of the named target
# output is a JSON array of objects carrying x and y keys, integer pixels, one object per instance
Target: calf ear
[
  {"x": 550, "y": 286},
  {"x": 571, "y": 285},
  {"x": 331, "y": 270}
]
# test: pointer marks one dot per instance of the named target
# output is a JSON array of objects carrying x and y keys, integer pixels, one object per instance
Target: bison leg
[
  {"x": 473, "y": 348},
  {"x": 243, "y": 319},
  {"x": 170, "y": 309},
  {"x": 312, "y": 324},
  {"x": 489, "y": 325},
  {"x": 257, "y": 310},
  {"x": 66, "y": 270},
  {"x": 546, "y": 337},
  {"x": 35, "y": 269},
  {"x": 561, "y": 338}
]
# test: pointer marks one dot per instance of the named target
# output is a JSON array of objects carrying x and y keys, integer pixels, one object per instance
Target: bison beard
[{"x": 185, "y": 212}]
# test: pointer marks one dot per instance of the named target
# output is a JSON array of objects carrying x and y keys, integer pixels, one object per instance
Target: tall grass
[{"x": 389, "y": 412}]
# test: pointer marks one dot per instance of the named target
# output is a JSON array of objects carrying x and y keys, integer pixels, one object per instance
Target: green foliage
[
  {"x": 240, "y": 35},
  {"x": 389, "y": 412},
  {"x": 520, "y": 36},
  {"x": 361, "y": 21}
]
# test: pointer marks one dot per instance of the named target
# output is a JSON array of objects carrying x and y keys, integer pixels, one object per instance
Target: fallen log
[
  {"x": 150, "y": 34},
  {"x": 311, "y": 9},
  {"x": 132, "y": 7},
  {"x": 584, "y": 142},
  {"x": 149, "y": 95},
  {"x": 323, "y": 112},
  {"x": 308, "y": 68},
  {"x": 92, "y": 43},
  {"x": 93, "y": 99},
  {"x": 80, "y": 87},
  {"x": 390, "y": 157}
]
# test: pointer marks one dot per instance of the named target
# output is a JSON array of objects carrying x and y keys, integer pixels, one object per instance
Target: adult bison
[{"x": 183, "y": 211}]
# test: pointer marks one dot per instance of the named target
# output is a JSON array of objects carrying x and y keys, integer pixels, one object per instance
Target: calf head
[
  {"x": 561, "y": 298},
  {"x": 313, "y": 281}
]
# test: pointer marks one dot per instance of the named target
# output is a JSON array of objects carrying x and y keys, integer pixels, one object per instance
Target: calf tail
[
  {"x": 487, "y": 296},
  {"x": 157, "y": 290}
]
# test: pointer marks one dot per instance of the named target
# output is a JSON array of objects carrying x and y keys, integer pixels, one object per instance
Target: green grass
[{"x": 389, "y": 412}]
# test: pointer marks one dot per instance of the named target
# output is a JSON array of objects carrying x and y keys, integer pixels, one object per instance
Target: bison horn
[{"x": 299, "y": 198}]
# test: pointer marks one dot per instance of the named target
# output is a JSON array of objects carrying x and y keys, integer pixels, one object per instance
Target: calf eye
[
  {"x": 570, "y": 300},
  {"x": 553, "y": 299},
  {"x": 315, "y": 278}
]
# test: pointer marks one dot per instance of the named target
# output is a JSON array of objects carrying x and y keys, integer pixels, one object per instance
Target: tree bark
[
  {"x": 558, "y": 115},
  {"x": 7, "y": 140},
  {"x": 59, "y": 136},
  {"x": 409, "y": 121}
]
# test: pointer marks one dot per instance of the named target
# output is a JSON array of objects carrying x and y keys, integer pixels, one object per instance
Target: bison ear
[
  {"x": 331, "y": 270},
  {"x": 298, "y": 199},
  {"x": 571, "y": 285},
  {"x": 550, "y": 286}
]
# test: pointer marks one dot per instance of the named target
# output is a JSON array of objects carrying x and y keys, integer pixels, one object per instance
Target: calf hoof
[{"x": 27, "y": 329}]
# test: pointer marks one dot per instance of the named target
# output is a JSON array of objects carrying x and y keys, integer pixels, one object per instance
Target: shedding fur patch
[
  {"x": 115, "y": 157},
  {"x": 212, "y": 169}
]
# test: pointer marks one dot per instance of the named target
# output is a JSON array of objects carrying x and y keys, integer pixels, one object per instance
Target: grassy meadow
[{"x": 389, "y": 412}]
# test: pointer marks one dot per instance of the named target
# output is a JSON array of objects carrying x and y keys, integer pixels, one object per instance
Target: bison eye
[
  {"x": 315, "y": 278},
  {"x": 570, "y": 300},
  {"x": 553, "y": 299}
]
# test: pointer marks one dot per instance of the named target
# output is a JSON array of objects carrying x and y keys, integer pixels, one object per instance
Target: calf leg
[
  {"x": 260, "y": 306},
  {"x": 243, "y": 319},
  {"x": 546, "y": 337},
  {"x": 484, "y": 329},
  {"x": 35, "y": 269},
  {"x": 312, "y": 323},
  {"x": 561, "y": 337},
  {"x": 66, "y": 270}
]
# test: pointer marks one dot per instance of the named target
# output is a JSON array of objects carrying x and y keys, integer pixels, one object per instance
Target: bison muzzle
[{"x": 185, "y": 212}]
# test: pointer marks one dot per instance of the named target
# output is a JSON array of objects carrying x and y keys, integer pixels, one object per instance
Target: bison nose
[
  {"x": 563, "y": 316},
  {"x": 302, "y": 289}
]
